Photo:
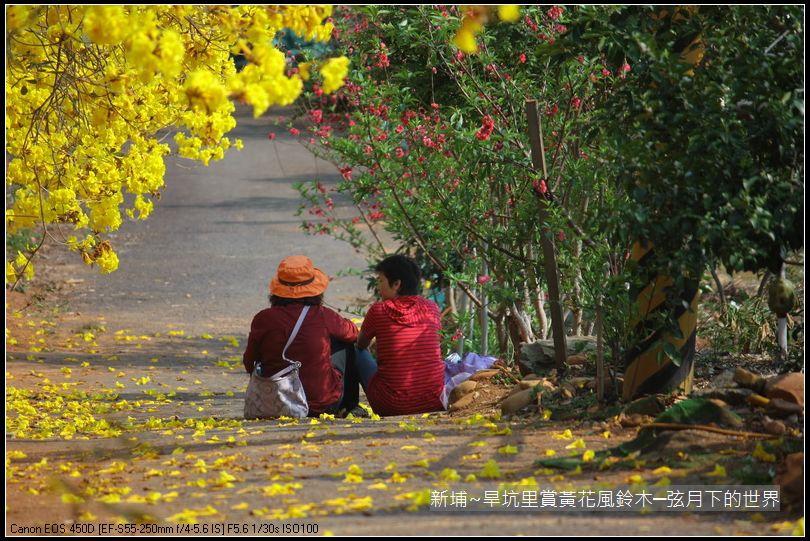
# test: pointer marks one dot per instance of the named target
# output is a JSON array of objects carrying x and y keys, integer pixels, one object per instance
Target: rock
[
  {"x": 484, "y": 374},
  {"x": 789, "y": 387},
  {"x": 540, "y": 384},
  {"x": 775, "y": 427},
  {"x": 529, "y": 377},
  {"x": 463, "y": 388},
  {"x": 567, "y": 390},
  {"x": 749, "y": 380},
  {"x": 535, "y": 358},
  {"x": 733, "y": 396},
  {"x": 516, "y": 402},
  {"x": 539, "y": 356},
  {"x": 724, "y": 380},
  {"x": 790, "y": 477},
  {"x": 462, "y": 402},
  {"x": 648, "y": 405},
  {"x": 577, "y": 360},
  {"x": 783, "y": 408},
  {"x": 631, "y": 421}
]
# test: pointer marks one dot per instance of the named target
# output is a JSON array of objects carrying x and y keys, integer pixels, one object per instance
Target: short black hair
[
  {"x": 404, "y": 269},
  {"x": 275, "y": 300}
]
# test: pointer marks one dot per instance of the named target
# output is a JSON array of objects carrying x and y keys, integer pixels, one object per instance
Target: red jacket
[
  {"x": 410, "y": 370},
  {"x": 269, "y": 333}
]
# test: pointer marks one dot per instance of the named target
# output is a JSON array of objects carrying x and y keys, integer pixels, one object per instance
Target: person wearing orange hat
[{"x": 323, "y": 345}]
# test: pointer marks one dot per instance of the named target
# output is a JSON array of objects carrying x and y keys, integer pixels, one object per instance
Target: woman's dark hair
[
  {"x": 275, "y": 300},
  {"x": 404, "y": 269}
]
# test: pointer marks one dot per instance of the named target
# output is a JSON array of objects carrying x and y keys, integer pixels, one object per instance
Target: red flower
[
  {"x": 576, "y": 102},
  {"x": 487, "y": 126},
  {"x": 540, "y": 186},
  {"x": 316, "y": 115},
  {"x": 434, "y": 105},
  {"x": 457, "y": 335},
  {"x": 554, "y": 12},
  {"x": 295, "y": 132},
  {"x": 271, "y": 136},
  {"x": 553, "y": 110},
  {"x": 530, "y": 23},
  {"x": 581, "y": 59},
  {"x": 625, "y": 67},
  {"x": 483, "y": 279},
  {"x": 382, "y": 61},
  {"x": 606, "y": 72},
  {"x": 560, "y": 28},
  {"x": 561, "y": 236},
  {"x": 399, "y": 152},
  {"x": 522, "y": 58},
  {"x": 400, "y": 129},
  {"x": 376, "y": 216},
  {"x": 346, "y": 172}
]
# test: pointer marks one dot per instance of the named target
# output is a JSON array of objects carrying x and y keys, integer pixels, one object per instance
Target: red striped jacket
[{"x": 410, "y": 373}]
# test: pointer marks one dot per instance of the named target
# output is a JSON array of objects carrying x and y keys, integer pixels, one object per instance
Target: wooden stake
[{"x": 547, "y": 239}]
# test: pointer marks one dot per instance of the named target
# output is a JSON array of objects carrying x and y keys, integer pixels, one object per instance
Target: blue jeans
[{"x": 366, "y": 367}]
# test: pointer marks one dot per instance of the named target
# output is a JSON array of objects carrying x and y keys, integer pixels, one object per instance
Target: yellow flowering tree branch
[{"x": 90, "y": 88}]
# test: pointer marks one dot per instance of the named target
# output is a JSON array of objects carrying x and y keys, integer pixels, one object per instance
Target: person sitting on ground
[
  {"x": 324, "y": 344},
  {"x": 408, "y": 375}
]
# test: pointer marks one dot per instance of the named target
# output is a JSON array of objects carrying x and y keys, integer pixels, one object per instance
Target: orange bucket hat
[{"x": 296, "y": 278}]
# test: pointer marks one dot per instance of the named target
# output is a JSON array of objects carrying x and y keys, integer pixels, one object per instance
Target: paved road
[{"x": 205, "y": 256}]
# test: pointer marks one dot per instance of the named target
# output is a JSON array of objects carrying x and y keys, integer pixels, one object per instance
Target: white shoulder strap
[{"x": 294, "y": 333}]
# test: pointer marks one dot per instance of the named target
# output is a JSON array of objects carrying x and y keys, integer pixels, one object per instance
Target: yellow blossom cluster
[
  {"x": 473, "y": 21},
  {"x": 92, "y": 92}
]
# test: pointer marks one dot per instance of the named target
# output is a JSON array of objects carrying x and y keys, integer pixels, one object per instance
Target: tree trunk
[
  {"x": 501, "y": 331},
  {"x": 538, "y": 298}
]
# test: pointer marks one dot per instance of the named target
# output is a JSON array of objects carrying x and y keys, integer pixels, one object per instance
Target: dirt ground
[{"x": 141, "y": 433}]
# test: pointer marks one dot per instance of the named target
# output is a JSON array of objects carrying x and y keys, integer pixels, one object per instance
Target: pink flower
[
  {"x": 434, "y": 70},
  {"x": 530, "y": 23},
  {"x": 487, "y": 126},
  {"x": 316, "y": 115},
  {"x": 271, "y": 136},
  {"x": 554, "y": 12},
  {"x": 540, "y": 186},
  {"x": 483, "y": 279},
  {"x": 560, "y": 28},
  {"x": 561, "y": 236},
  {"x": 522, "y": 58},
  {"x": 605, "y": 72},
  {"x": 399, "y": 152},
  {"x": 625, "y": 67},
  {"x": 434, "y": 105},
  {"x": 581, "y": 59},
  {"x": 295, "y": 132},
  {"x": 346, "y": 172},
  {"x": 382, "y": 61}
]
